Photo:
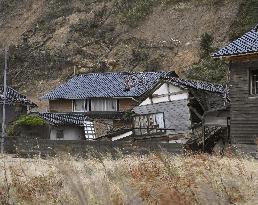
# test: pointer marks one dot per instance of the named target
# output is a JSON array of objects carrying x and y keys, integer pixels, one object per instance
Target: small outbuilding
[
  {"x": 16, "y": 104},
  {"x": 69, "y": 126}
]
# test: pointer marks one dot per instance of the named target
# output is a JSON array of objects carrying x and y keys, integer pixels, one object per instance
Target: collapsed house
[
  {"x": 104, "y": 99},
  {"x": 16, "y": 104},
  {"x": 243, "y": 89},
  {"x": 175, "y": 108}
]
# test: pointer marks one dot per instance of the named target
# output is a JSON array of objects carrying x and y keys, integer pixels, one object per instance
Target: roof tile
[
  {"x": 247, "y": 44},
  {"x": 121, "y": 84},
  {"x": 13, "y": 96}
]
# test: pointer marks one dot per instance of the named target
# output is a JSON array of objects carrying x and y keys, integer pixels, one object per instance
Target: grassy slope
[{"x": 159, "y": 179}]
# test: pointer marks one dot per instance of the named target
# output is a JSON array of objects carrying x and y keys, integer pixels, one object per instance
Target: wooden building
[
  {"x": 105, "y": 99},
  {"x": 16, "y": 104},
  {"x": 242, "y": 55}
]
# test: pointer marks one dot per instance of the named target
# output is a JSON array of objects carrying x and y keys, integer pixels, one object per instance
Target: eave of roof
[
  {"x": 78, "y": 119},
  {"x": 13, "y": 96},
  {"x": 198, "y": 85},
  {"x": 59, "y": 119},
  {"x": 245, "y": 45},
  {"x": 106, "y": 85}
]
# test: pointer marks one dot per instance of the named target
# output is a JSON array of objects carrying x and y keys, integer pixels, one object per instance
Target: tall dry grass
[{"x": 161, "y": 178}]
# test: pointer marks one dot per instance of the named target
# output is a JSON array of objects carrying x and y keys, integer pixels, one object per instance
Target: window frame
[
  {"x": 86, "y": 105},
  {"x": 105, "y": 103},
  {"x": 251, "y": 70},
  {"x": 149, "y": 130}
]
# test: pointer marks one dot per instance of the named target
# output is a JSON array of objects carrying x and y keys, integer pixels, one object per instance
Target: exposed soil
[{"x": 52, "y": 40}]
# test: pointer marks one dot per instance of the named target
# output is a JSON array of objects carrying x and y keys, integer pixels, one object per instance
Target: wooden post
[
  {"x": 203, "y": 136},
  {"x": 4, "y": 102}
]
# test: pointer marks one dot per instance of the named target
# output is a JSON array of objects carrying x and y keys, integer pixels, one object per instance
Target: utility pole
[{"x": 4, "y": 102}]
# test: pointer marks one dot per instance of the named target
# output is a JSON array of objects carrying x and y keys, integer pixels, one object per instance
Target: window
[
  {"x": 254, "y": 82},
  {"x": 80, "y": 105},
  {"x": 149, "y": 124},
  {"x": 60, "y": 134},
  {"x": 95, "y": 105},
  {"x": 104, "y": 105}
]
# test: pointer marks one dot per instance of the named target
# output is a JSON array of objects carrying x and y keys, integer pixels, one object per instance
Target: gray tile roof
[
  {"x": 72, "y": 119},
  {"x": 199, "y": 85},
  {"x": 58, "y": 119},
  {"x": 13, "y": 96},
  {"x": 121, "y": 84},
  {"x": 209, "y": 95},
  {"x": 247, "y": 44}
]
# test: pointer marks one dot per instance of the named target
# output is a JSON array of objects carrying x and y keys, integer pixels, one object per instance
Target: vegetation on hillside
[
  {"x": 156, "y": 179},
  {"x": 208, "y": 68},
  {"x": 246, "y": 19},
  {"x": 55, "y": 39},
  {"x": 132, "y": 12}
]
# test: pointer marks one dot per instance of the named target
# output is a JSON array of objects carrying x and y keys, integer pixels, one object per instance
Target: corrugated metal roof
[
  {"x": 13, "y": 96},
  {"x": 121, "y": 84},
  {"x": 199, "y": 85},
  {"x": 247, "y": 44}
]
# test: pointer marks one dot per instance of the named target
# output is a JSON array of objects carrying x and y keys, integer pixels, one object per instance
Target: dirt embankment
[{"x": 52, "y": 40}]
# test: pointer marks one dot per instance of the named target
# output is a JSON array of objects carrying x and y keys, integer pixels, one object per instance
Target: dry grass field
[{"x": 156, "y": 179}]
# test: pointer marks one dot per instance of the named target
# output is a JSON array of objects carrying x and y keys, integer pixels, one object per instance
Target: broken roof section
[
  {"x": 209, "y": 95},
  {"x": 120, "y": 84},
  {"x": 247, "y": 44},
  {"x": 199, "y": 85},
  {"x": 13, "y": 96}
]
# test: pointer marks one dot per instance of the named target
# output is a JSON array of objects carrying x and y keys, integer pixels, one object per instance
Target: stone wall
[
  {"x": 40, "y": 147},
  {"x": 102, "y": 127}
]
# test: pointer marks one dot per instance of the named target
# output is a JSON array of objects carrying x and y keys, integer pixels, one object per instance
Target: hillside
[{"x": 50, "y": 40}]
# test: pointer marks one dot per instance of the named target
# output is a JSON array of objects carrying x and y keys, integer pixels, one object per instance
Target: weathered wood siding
[
  {"x": 66, "y": 105},
  {"x": 244, "y": 107},
  {"x": 12, "y": 112},
  {"x": 127, "y": 104},
  {"x": 60, "y": 106}
]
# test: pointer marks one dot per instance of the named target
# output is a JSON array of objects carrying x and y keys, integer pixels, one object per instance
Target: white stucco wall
[
  {"x": 165, "y": 93},
  {"x": 165, "y": 88},
  {"x": 70, "y": 133}
]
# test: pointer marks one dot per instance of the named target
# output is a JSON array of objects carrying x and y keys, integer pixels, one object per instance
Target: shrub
[
  {"x": 25, "y": 120},
  {"x": 29, "y": 120},
  {"x": 206, "y": 45},
  {"x": 208, "y": 69},
  {"x": 153, "y": 65}
]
